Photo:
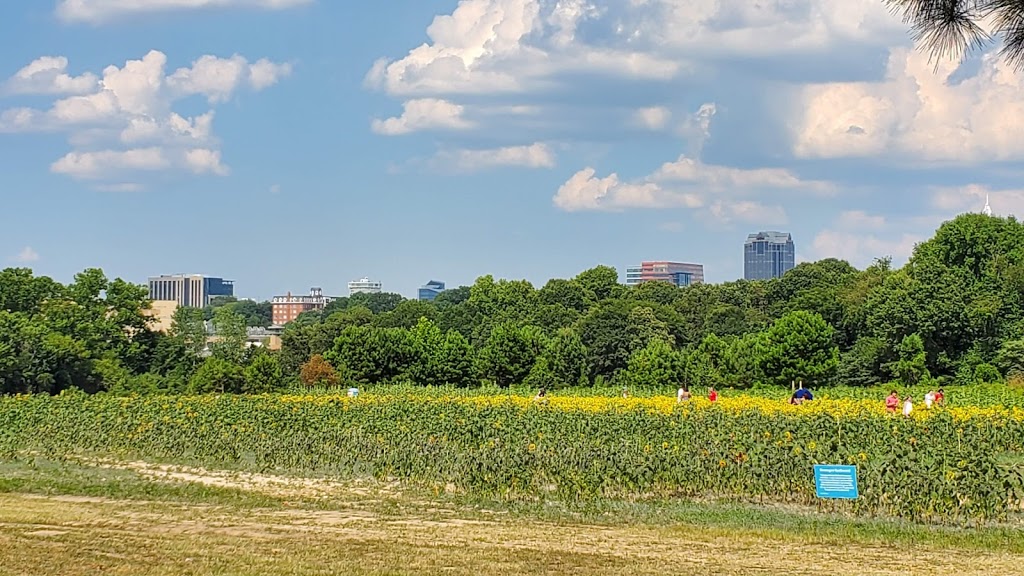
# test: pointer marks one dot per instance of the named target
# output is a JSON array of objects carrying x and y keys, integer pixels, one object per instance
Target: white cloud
[
  {"x": 489, "y": 46},
  {"x": 132, "y": 107},
  {"x": 275, "y": 189},
  {"x": 685, "y": 183},
  {"x": 219, "y": 78},
  {"x": 725, "y": 178},
  {"x": 918, "y": 111},
  {"x": 49, "y": 75},
  {"x": 423, "y": 114},
  {"x": 585, "y": 191},
  {"x": 689, "y": 183},
  {"x": 652, "y": 118},
  {"x": 739, "y": 27},
  {"x": 98, "y": 11},
  {"x": 954, "y": 200},
  {"x": 97, "y": 164},
  {"x": 536, "y": 155},
  {"x": 26, "y": 255},
  {"x": 205, "y": 161}
]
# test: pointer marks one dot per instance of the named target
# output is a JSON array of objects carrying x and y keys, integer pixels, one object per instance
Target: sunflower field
[{"x": 952, "y": 465}]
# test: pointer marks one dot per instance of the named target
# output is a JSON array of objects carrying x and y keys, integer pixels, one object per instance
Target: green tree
[
  {"x": 657, "y": 365},
  {"x": 799, "y": 346},
  {"x": 263, "y": 374},
  {"x": 1010, "y": 358},
  {"x": 566, "y": 358},
  {"x": 912, "y": 366},
  {"x": 217, "y": 375},
  {"x": 371, "y": 355},
  {"x": 601, "y": 283},
  {"x": 510, "y": 353},
  {"x": 407, "y": 314},
  {"x": 230, "y": 335}
]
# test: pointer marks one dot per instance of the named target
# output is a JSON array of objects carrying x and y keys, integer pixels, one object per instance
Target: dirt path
[{"x": 79, "y": 536}]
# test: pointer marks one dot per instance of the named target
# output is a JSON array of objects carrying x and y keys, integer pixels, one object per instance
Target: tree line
[{"x": 952, "y": 315}]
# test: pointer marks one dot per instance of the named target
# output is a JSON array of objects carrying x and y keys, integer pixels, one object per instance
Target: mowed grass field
[{"x": 119, "y": 517}]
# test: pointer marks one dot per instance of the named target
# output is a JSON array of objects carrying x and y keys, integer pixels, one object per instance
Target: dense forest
[{"x": 952, "y": 314}]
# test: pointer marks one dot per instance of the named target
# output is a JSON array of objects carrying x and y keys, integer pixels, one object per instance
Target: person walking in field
[
  {"x": 712, "y": 394},
  {"x": 683, "y": 394},
  {"x": 625, "y": 392},
  {"x": 801, "y": 395},
  {"x": 908, "y": 406},
  {"x": 929, "y": 399},
  {"x": 892, "y": 402}
]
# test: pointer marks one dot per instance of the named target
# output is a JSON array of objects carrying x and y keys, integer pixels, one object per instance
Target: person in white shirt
[
  {"x": 908, "y": 406},
  {"x": 929, "y": 399},
  {"x": 683, "y": 394}
]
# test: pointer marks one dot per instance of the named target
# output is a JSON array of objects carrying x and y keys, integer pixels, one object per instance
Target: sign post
[{"x": 836, "y": 481}]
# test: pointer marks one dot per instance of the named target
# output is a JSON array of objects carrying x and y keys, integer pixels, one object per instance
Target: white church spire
[{"x": 987, "y": 210}]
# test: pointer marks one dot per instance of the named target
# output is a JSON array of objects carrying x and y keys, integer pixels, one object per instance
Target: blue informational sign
[{"x": 834, "y": 481}]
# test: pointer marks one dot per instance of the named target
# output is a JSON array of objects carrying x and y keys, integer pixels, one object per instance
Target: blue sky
[{"x": 292, "y": 143}]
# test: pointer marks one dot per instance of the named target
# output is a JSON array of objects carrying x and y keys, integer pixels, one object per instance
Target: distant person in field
[
  {"x": 683, "y": 394},
  {"x": 892, "y": 402},
  {"x": 929, "y": 399},
  {"x": 712, "y": 394},
  {"x": 940, "y": 398},
  {"x": 908, "y": 406},
  {"x": 540, "y": 394},
  {"x": 625, "y": 392},
  {"x": 801, "y": 395}
]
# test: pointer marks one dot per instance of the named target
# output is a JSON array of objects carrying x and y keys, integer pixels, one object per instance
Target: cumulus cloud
[
  {"x": 98, "y": 11},
  {"x": 26, "y": 255},
  {"x": 126, "y": 121},
  {"x": 689, "y": 183},
  {"x": 917, "y": 111},
  {"x": 536, "y": 155},
  {"x": 487, "y": 46},
  {"x": 423, "y": 114},
  {"x": 100, "y": 163},
  {"x": 685, "y": 183},
  {"x": 49, "y": 75}
]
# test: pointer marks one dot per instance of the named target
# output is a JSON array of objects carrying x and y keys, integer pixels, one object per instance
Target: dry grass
[{"x": 80, "y": 535}]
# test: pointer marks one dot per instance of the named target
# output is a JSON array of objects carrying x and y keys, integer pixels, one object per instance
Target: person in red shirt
[
  {"x": 712, "y": 395},
  {"x": 892, "y": 403},
  {"x": 939, "y": 397}
]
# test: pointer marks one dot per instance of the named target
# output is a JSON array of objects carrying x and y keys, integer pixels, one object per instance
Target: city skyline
[{"x": 448, "y": 142}]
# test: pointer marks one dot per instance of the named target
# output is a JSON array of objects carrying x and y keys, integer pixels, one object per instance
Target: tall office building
[
  {"x": 430, "y": 290},
  {"x": 189, "y": 290},
  {"x": 364, "y": 285},
  {"x": 677, "y": 273},
  {"x": 286, "y": 308},
  {"x": 768, "y": 255}
]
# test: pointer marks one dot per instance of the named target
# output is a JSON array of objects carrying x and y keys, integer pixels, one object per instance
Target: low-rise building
[
  {"x": 286, "y": 308},
  {"x": 162, "y": 313},
  {"x": 677, "y": 273},
  {"x": 364, "y": 285}
]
